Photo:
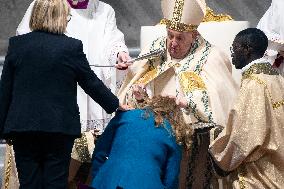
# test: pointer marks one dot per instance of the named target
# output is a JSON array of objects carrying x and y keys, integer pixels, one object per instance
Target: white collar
[
  {"x": 257, "y": 61},
  {"x": 96, "y": 3},
  {"x": 89, "y": 11},
  {"x": 93, "y": 5}
]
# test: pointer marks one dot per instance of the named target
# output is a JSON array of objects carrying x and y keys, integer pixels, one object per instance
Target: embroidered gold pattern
[
  {"x": 264, "y": 68},
  {"x": 147, "y": 77},
  {"x": 191, "y": 81},
  {"x": 275, "y": 105},
  {"x": 81, "y": 147},
  {"x": 175, "y": 23},
  {"x": 9, "y": 168},
  {"x": 177, "y": 26},
  {"x": 241, "y": 178},
  {"x": 211, "y": 16},
  {"x": 177, "y": 14},
  {"x": 197, "y": 56}
]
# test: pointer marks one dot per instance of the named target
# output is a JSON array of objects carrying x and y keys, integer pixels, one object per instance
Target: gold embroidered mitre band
[{"x": 183, "y": 15}]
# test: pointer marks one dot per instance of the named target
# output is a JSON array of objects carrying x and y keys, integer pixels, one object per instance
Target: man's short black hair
[{"x": 254, "y": 39}]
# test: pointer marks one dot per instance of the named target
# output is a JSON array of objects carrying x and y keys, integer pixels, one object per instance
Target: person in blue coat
[{"x": 134, "y": 153}]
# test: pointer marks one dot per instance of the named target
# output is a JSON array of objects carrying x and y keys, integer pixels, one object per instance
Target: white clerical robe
[
  {"x": 272, "y": 24},
  {"x": 203, "y": 69},
  {"x": 203, "y": 78}
]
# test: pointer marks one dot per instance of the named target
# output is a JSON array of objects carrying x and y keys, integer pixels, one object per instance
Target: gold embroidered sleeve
[{"x": 247, "y": 135}]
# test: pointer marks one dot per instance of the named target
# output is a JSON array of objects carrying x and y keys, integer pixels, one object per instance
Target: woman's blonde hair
[{"x": 50, "y": 16}]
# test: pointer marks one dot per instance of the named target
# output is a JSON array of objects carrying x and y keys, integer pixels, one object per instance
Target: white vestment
[{"x": 272, "y": 24}]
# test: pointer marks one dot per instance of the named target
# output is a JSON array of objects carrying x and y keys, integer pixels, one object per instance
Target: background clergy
[
  {"x": 272, "y": 24},
  {"x": 191, "y": 69}
]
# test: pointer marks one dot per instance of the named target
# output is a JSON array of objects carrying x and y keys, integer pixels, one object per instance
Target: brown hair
[
  {"x": 50, "y": 16},
  {"x": 165, "y": 107}
]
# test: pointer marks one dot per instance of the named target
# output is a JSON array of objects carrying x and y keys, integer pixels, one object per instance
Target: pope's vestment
[{"x": 203, "y": 78}]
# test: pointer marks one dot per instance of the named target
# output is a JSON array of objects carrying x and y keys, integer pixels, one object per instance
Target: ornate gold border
[
  {"x": 177, "y": 26},
  {"x": 177, "y": 14},
  {"x": 9, "y": 166}
]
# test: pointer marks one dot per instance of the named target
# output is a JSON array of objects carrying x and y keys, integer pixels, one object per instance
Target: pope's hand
[
  {"x": 122, "y": 58},
  {"x": 181, "y": 102},
  {"x": 124, "y": 107},
  {"x": 139, "y": 91}
]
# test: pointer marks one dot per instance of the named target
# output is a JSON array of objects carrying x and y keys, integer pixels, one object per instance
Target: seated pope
[{"x": 193, "y": 71}]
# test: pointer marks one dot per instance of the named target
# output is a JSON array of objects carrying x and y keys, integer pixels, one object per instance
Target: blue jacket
[{"x": 134, "y": 154}]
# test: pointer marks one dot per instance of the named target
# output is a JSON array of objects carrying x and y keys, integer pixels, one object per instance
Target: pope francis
[{"x": 192, "y": 70}]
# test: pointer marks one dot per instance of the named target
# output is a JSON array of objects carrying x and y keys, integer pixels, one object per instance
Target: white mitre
[{"x": 183, "y": 15}]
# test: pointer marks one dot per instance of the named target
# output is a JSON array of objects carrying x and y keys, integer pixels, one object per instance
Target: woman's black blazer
[{"x": 38, "y": 87}]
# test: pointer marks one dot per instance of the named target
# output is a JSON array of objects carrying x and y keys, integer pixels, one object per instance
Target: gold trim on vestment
[
  {"x": 191, "y": 81},
  {"x": 177, "y": 26},
  {"x": 9, "y": 167},
  {"x": 264, "y": 68},
  {"x": 241, "y": 178},
  {"x": 81, "y": 146},
  {"x": 278, "y": 104},
  {"x": 149, "y": 76}
]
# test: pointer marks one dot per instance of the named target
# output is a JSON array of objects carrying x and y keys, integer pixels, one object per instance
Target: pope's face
[{"x": 179, "y": 43}]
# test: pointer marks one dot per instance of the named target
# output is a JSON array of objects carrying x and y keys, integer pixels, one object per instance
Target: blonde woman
[
  {"x": 39, "y": 113},
  {"x": 94, "y": 23}
]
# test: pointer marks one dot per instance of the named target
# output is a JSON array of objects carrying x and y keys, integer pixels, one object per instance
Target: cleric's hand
[
  {"x": 182, "y": 102},
  {"x": 122, "y": 58},
  {"x": 139, "y": 92}
]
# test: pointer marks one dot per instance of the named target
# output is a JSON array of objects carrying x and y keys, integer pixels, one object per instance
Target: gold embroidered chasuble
[
  {"x": 203, "y": 77},
  {"x": 252, "y": 145}
]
